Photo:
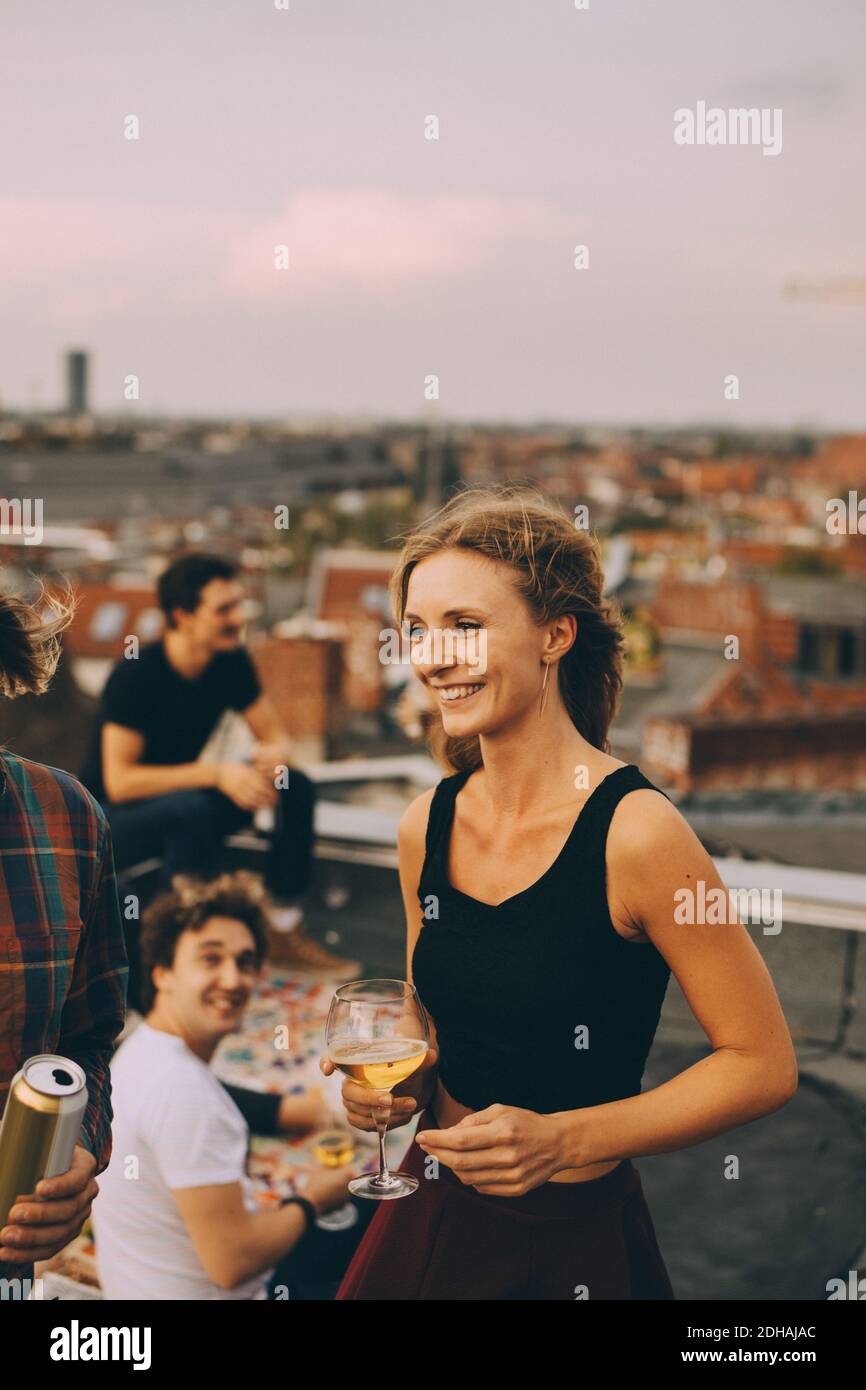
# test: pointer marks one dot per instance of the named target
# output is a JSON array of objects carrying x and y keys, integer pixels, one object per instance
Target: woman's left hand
[{"x": 502, "y": 1150}]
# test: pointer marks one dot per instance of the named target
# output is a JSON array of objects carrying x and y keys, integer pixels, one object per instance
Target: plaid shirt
[{"x": 63, "y": 961}]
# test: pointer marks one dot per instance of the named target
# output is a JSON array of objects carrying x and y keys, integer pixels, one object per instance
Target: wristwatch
[{"x": 307, "y": 1205}]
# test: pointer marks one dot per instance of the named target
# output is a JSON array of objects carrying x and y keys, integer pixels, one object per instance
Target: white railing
[{"x": 354, "y": 833}]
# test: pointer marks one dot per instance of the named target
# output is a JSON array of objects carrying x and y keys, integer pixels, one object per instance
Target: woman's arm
[
  {"x": 411, "y": 838},
  {"x": 653, "y": 854}
]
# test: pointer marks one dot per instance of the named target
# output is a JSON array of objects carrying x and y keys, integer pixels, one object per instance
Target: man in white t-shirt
[{"x": 175, "y": 1218}]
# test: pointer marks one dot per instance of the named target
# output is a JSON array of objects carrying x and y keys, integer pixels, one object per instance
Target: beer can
[{"x": 40, "y": 1126}]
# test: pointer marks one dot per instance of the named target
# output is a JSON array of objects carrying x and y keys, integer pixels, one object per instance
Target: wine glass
[
  {"x": 377, "y": 1034},
  {"x": 334, "y": 1148}
]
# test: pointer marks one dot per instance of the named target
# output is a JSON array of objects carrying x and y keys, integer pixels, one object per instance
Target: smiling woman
[
  {"x": 451, "y": 694},
  {"x": 492, "y": 548},
  {"x": 539, "y": 881}
]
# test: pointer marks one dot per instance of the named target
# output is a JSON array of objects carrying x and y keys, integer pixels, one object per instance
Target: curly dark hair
[{"x": 187, "y": 907}]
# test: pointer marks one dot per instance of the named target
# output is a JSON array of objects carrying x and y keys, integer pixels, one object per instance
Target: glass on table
[{"x": 333, "y": 1148}]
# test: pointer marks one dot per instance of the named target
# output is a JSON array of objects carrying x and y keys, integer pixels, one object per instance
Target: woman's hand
[
  {"x": 502, "y": 1150},
  {"x": 400, "y": 1105}
]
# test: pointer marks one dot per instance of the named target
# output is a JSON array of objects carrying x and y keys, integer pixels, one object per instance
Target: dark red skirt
[{"x": 562, "y": 1240}]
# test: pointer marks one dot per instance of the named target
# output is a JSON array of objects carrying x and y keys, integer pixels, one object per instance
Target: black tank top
[{"x": 538, "y": 1001}]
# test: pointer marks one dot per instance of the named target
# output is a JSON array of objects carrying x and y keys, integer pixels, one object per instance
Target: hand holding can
[{"x": 46, "y": 1177}]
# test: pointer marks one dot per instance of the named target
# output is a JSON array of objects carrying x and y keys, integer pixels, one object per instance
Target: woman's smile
[{"x": 458, "y": 694}]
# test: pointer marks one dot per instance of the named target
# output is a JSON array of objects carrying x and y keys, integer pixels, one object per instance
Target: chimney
[{"x": 302, "y": 673}]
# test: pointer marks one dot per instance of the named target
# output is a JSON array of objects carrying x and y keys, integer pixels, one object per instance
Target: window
[
  {"x": 107, "y": 620},
  {"x": 830, "y": 652}
]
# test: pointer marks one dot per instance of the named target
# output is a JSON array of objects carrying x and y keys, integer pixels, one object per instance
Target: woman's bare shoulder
[
  {"x": 646, "y": 822},
  {"x": 649, "y": 842},
  {"x": 412, "y": 829}
]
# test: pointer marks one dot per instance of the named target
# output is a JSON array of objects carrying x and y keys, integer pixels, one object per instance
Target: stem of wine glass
[{"x": 381, "y": 1129}]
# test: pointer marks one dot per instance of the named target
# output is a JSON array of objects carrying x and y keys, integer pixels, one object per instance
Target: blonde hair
[
  {"x": 29, "y": 645},
  {"x": 557, "y": 570}
]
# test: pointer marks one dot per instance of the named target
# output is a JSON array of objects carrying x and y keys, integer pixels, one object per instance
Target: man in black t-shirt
[
  {"x": 158, "y": 711},
  {"x": 173, "y": 714}
]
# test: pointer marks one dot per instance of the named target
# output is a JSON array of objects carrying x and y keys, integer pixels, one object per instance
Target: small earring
[{"x": 544, "y": 689}]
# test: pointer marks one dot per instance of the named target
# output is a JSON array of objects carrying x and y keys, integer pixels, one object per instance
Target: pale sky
[{"x": 408, "y": 257}]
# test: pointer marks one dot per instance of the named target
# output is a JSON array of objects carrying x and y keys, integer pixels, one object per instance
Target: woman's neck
[{"x": 527, "y": 770}]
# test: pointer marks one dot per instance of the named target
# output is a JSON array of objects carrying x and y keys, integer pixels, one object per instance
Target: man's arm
[
  {"x": 273, "y": 746},
  {"x": 267, "y": 1112},
  {"x": 126, "y": 778},
  {"x": 265, "y": 722},
  {"x": 260, "y": 1109},
  {"x": 95, "y": 1008},
  {"x": 234, "y": 1244}
]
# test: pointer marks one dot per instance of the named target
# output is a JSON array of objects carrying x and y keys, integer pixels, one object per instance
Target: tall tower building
[{"x": 76, "y": 382}]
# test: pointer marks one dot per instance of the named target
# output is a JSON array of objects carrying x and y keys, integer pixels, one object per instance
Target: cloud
[
  {"x": 77, "y": 258},
  {"x": 814, "y": 90},
  {"x": 71, "y": 260},
  {"x": 372, "y": 240}
]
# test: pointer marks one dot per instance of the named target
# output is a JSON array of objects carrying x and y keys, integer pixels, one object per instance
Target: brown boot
[{"x": 296, "y": 948}]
